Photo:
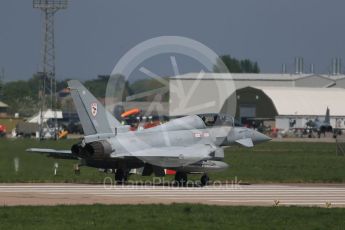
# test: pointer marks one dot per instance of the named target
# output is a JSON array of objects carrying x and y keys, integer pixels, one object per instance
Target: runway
[{"x": 259, "y": 195}]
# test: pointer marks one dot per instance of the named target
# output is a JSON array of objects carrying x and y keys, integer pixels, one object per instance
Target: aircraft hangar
[
  {"x": 290, "y": 107},
  {"x": 287, "y": 100}
]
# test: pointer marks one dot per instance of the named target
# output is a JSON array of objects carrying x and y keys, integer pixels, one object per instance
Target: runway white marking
[{"x": 304, "y": 195}]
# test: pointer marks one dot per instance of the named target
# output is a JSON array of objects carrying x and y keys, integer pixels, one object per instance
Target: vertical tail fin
[
  {"x": 93, "y": 116},
  {"x": 327, "y": 117}
]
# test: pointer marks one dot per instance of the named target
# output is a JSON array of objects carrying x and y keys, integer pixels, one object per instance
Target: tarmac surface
[{"x": 232, "y": 194}]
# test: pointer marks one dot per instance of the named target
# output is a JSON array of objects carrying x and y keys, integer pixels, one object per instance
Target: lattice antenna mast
[{"x": 48, "y": 82}]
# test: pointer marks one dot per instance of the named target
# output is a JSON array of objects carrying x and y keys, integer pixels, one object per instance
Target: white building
[
  {"x": 291, "y": 107},
  {"x": 283, "y": 97}
]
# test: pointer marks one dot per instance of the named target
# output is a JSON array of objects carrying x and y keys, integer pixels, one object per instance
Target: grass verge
[
  {"x": 266, "y": 163},
  {"x": 176, "y": 216}
]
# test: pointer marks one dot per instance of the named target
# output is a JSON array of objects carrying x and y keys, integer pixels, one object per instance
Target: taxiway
[{"x": 260, "y": 195}]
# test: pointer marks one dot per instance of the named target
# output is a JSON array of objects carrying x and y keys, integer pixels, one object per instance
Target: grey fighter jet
[
  {"x": 185, "y": 145},
  {"x": 321, "y": 126}
]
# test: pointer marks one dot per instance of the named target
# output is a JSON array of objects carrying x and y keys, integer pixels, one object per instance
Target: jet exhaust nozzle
[{"x": 96, "y": 149}]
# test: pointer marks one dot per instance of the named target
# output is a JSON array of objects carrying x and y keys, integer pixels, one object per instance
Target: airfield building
[
  {"x": 287, "y": 100},
  {"x": 3, "y": 109}
]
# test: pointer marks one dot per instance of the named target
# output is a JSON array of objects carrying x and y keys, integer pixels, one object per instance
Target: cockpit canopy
[
  {"x": 200, "y": 121},
  {"x": 218, "y": 119}
]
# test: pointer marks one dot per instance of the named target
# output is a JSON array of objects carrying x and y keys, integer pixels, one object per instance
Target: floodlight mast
[{"x": 47, "y": 74}]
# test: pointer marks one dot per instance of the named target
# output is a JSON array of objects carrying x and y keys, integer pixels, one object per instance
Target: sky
[{"x": 92, "y": 36}]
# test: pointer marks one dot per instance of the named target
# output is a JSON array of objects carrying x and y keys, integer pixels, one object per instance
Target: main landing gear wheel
[
  {"x": 121, "y": 176},
  {"x": 181, "y": 178},
  {"x": 204, "y": 180}
]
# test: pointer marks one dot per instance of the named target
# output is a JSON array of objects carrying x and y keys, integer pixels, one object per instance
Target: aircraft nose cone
[{"x": 260, "y": 137}]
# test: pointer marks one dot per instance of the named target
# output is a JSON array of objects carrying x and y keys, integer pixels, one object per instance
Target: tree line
[
  {"x": 22, "y": 96},
  {"x": 226, "y": 64}
]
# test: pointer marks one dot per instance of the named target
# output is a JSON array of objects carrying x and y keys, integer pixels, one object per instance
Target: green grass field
[
  {"x": 266, "y": 163},
  {"x": 177, "y": 216}
]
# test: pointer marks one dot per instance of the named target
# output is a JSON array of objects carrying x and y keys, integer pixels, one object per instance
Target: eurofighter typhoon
[{"x": 186, "y": 145}]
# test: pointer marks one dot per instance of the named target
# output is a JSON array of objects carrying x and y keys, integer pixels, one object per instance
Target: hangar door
[{"x": 247, "y": 111}]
